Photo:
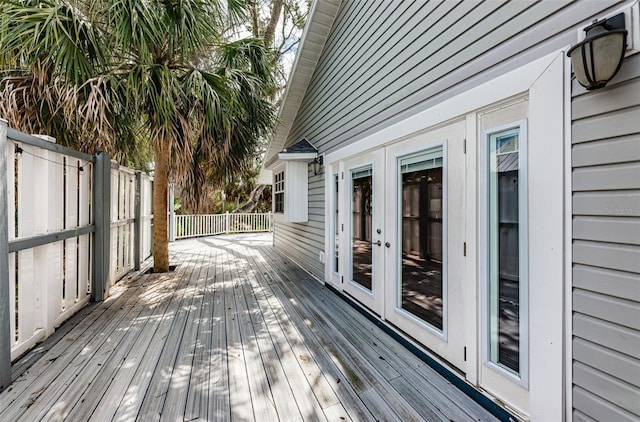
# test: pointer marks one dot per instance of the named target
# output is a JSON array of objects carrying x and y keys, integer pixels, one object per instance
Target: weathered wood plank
[
  {"x": 219, "y": 406},
  {"x": 239, "y": 391},
  {"x": 197, "y": 396},
  {"x": 358, "y": 370},
  {"x": 238, "y": 332},
  {"x": 183, "y": 370},
  {"x": 129, "y": 387},
  {"x": 295, "y": 343},
  {"x": 270, "y": 396},
  {"x": 81, "y": 400},
  {"x": 154, "y": 400},
  {"x": 347, "y": 395},
  {"x": 439, "y": 391},
  {"x": 280, "y": 361},
  {"x": 26, "y": 390}
]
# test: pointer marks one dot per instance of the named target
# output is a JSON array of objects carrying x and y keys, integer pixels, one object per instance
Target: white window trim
[
  {"x": 276, "y": 191},
  {"x": 521, "y": 378}
]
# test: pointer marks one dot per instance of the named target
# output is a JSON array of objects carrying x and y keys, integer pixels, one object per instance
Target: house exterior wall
[
  {"x": 385, "y": 61},
  {"x": 606, "y": 248}
]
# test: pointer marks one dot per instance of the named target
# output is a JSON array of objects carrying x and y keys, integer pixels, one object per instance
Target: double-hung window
[{"x": 278, "y": 192}]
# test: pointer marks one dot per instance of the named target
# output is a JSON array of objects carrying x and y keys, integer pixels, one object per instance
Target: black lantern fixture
[
  {"x": 317, "y": 164},
  {"x": 597, "y": 59}
]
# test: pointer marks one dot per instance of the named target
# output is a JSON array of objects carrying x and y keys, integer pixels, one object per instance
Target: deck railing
[{"x": 212, "y": 224}]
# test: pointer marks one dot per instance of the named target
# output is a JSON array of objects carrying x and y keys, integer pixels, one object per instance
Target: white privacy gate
[
  {"x": 71, "y": 225},
  {"x": 50, "y": 282},
  {"x": 131, "y": 210}
]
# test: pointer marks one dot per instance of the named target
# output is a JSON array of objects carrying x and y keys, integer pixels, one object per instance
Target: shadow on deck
[{"x": 237, "y": 332}]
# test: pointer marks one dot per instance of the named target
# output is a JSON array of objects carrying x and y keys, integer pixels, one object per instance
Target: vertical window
[
  {"x": 336, "y": 224},
  {"x": 278, "y": 193},
  {"x": 421, "y": 206},
  {"x": 361, "y": 223},
  {"x": 506, "y": 282}
]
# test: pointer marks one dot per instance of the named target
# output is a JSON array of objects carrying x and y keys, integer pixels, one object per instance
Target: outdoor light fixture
[
  {"x": 597, "y": 58},
  {"x": 317, "y": 164}
]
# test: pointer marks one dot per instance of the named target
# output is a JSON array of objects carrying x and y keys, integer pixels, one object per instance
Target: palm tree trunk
[{"x": 160, "y": 189}]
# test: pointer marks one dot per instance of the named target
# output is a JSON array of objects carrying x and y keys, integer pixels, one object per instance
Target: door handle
[{"x": 379, "y": 243}]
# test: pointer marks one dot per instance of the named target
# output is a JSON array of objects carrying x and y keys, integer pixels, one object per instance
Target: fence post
[
  {"x": 172, "y": 214},
  {"x": 102, "y": 220},
  {"x": 270, "y": 221},
  {"x": 137, "y": 225},
  {"x": 227, "y": 222},
  {"x": 5, "y": 305}
]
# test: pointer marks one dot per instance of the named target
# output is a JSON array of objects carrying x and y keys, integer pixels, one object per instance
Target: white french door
[
  {"x": 425, "y": 220},
  {"x": 401, "y": 237},
  {"x": 362, "y": 229}
]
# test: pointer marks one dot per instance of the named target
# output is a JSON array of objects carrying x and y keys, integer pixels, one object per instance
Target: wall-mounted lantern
[
  {"x": 597, "y": 58},
  {"x": 317, "y": 164}
]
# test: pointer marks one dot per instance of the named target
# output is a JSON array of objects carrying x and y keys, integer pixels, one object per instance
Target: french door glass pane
[
  {"x": 361, "y": 223},
  {"x": 336, "y": 224},
  {"x": 504, "y": 250},
  {"x": 422, "y": 241}
]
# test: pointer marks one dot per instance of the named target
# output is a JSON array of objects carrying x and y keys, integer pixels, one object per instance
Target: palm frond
[{"x": 53, "y": 32}]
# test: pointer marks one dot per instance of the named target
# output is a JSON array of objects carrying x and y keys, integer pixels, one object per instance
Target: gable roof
[
  {"x": 315, "y": 34},
  {"x": 302, "y": 146}
]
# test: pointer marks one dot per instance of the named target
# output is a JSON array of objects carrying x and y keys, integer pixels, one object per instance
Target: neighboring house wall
[
  {"x": 606, "y": 248},
  {"x": 385, "y": 61}
]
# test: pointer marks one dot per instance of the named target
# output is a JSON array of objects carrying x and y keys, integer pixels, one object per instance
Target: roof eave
[{"x": 319, "y": 23}]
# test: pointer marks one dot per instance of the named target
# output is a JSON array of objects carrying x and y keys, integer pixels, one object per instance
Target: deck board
[{"x": 237, "y": 332}]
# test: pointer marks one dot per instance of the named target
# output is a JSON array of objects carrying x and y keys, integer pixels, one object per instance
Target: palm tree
[{"x": 161, "y": 67}]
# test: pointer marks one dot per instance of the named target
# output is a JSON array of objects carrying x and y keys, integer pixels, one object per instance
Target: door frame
[
  {"x": 392, "y": 185},
  {"x": 458, "y": 326},
  {"x": 547, "y": 80},
  {"x": 374, "y": 299}
]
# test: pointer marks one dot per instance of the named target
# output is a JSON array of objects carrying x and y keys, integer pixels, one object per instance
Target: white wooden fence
[
  {"x": 71, "y": 225},
  {"x": 127, "y": 189},
  {"x": 212, "y": 224},
  {"x": 48, "y": 192}
]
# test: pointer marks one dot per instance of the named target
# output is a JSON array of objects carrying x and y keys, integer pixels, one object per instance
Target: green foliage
[{"x": 124, "y": 76}]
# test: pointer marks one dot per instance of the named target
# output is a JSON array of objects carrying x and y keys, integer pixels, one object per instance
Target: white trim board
[{"x": 512, "y": 83}]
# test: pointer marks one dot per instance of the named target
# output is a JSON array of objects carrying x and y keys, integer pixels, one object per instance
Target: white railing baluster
[{"x": 212, "y": 224}]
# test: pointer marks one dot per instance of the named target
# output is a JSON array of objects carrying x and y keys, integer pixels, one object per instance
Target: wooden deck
[{"x": 237, "y": 332}]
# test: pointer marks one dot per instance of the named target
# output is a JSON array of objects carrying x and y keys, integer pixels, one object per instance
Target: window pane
[
  {"x": 336, "y": 225},
  {"x": 504, "y": 250},
  {"x": 422, "y": 243},
  {"x": 278, "y": 193},
  {"x": 362, "y": 203}
]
